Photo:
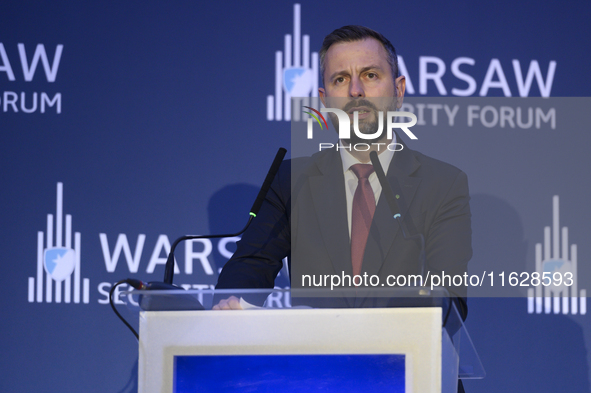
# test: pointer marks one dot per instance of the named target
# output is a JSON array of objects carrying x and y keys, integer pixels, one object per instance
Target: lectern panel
[{"x": 289, "y": 373}]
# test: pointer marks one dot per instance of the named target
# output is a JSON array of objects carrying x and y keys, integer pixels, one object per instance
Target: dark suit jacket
[{"x": 304, "y": 218}]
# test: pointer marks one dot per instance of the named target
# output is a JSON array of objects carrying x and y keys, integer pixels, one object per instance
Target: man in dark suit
[{"x": 330, "y": 217}]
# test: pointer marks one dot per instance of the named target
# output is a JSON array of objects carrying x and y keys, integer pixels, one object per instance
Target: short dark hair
[{"x": 357, "y": 33}]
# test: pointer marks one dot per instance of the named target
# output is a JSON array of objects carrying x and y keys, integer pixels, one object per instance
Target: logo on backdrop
[
  {"x": 297, "y": 75},
  {"x": 30, "y": 101},
  {"x": 294, "y": 77},
  {"x": 58, "y": 277},
  {"x": 556, "y": 257},
  {"x": 58, "y": 261}
]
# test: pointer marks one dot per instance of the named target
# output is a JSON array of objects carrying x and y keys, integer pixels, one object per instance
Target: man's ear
[
  {"x": 322, "y": 95},
  {"x": 400, "y": 85}
]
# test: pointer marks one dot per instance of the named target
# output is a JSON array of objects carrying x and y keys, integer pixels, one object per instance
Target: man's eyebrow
[
  {"x": 364, "y": 69},
  {"x": 371, "y": 67},
  {"x": 338, "y": 73}
]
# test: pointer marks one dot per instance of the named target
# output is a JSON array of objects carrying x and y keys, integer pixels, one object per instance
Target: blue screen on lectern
[{"x": 289, "y": 373}]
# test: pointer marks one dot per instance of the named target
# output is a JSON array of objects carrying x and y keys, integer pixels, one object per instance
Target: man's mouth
[{"x": 363, "y": 112}]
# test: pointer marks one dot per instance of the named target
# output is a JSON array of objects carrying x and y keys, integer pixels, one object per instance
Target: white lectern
[{"x": 301, "y": 349}]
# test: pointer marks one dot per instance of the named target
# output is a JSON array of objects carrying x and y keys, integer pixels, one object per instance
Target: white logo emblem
[
  {"x": 555, "y": 263},
  {"x": 294, "y": 77},
  {"x": 61, "y": 261},
  {"x": 297, "y": 81}
]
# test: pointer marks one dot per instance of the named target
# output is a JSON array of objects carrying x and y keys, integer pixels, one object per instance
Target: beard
[{"x": 366, "y": 126}]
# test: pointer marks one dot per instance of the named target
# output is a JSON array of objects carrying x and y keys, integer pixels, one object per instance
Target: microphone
[
  {"x": 168, "y": 302},
  {"x": 395, "y": 209},
  {"x": 169, "y": 268},
  {"x": 386, "y": 189},
  {"x": 258, "y": 202}
]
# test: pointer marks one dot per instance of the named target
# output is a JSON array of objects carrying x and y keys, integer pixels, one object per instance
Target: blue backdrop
[{"x": 150, "y": 120}]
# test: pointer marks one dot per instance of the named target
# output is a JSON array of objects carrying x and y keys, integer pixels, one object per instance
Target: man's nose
[{"x": 356, "y": 88}]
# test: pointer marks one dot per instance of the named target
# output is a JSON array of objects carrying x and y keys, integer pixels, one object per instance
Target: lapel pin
[{"x": 397, "y": 196}]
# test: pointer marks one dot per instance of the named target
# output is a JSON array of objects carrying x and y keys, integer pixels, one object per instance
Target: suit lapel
[
  {"x": 328, "y": 194},
  {"x": 384, "y": 228}
]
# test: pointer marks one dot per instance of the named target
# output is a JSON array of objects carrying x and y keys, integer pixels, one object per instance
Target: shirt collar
[{"x": 385, "y": 157}]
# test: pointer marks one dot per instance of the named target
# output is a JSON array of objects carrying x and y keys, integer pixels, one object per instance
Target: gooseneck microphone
[
  {"x": 167, "y": 302},
  {"x": 182, "y": 302},
  {"x": 386, "y": 189},
  {"x": 395, "y": 209},
  {"x": 169, "y": 269}
]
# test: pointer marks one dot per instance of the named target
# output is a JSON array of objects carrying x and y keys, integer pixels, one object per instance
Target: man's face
[{"x": 358, "y": 77}]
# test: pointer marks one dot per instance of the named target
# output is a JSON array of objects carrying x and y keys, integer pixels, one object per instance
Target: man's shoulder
[
  {"x": 436, "y": 178},
  {"x": 432, "y": 167},
  {"x": 300, "y": 168},
  {"x": 310, "y": 165},
  {"x": 409, "y": 162}
]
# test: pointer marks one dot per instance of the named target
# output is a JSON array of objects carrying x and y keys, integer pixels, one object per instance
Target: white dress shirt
[{"x": 351, "y": 181}]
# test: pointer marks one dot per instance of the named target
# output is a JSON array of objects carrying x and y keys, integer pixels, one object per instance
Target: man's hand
[{"x": 231, "y": 303}]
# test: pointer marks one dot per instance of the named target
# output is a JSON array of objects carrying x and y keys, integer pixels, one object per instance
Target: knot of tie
[{"x": 362, "y": 171}]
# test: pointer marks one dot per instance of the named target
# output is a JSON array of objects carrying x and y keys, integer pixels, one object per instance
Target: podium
[{"x": 397, "y": 349}]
